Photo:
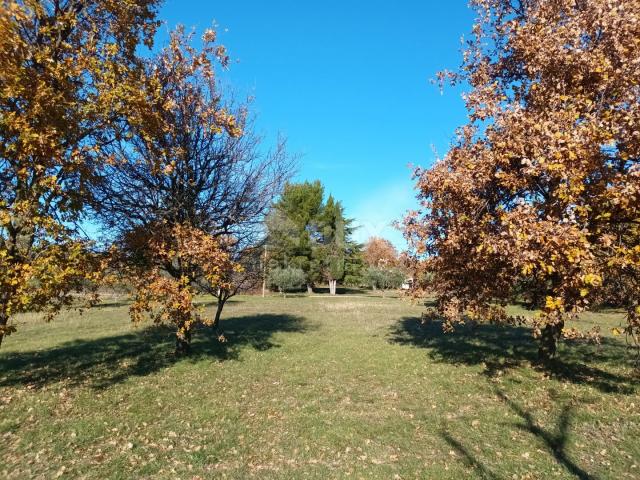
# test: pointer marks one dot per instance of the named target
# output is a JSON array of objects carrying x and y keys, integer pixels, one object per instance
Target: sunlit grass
[{"x": 317, "y": 387}]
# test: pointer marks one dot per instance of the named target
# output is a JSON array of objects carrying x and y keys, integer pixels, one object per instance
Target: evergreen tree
[
  {"x": 292, "y": 226},
  {"x": 313, "y": 236},
  {"x": 338, "y": 254}
]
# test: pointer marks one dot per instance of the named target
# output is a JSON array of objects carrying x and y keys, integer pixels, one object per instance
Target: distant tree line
[{"x": 310, "y": 242}]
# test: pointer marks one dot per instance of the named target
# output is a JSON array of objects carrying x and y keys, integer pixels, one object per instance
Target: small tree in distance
[
  {"x": 384, "y": 278},
  {"x": 380, "y": 252},
  {"x": 287, "y": 279},
  {"x": 335, "y": 246}
]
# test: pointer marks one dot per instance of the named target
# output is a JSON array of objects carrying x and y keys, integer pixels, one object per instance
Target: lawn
[{"x": 312, "y": 387}]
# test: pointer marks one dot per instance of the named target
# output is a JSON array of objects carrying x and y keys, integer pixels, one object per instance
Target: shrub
[
  {"x": 287, "y": 279},
  {"x": 384, "y": 278}
]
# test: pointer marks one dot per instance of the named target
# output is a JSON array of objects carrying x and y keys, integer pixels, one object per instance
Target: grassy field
[{"x": 316, "y": 387}]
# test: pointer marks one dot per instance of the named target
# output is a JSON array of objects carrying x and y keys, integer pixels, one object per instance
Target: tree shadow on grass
[
  {"x": 500, "y": 348},
  {"x": 102, "y": 362},
  {"x": 468, "y": 457},
  {"x": 554, "y": 441}
]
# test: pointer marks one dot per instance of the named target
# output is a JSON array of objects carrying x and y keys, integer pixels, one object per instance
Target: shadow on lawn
[
  {"x": 501, "y": 348},
  {"x": 554, "y": 441},
  {"x": 468, "y": 457},
  {"x": 106, "y": 361}
]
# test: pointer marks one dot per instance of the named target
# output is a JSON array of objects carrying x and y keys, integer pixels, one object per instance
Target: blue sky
[{"x": 347, "y": 82}]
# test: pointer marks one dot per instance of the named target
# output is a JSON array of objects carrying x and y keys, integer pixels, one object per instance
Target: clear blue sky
[{"x": 347, "y": 82}]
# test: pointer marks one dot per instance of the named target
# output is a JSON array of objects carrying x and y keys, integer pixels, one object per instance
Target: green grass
[{"x": 350, "y": 387}]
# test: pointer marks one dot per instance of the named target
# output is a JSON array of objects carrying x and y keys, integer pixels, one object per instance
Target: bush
[
  {"x": 286, "y": 279},
  {"x": 384, "y": 278}
]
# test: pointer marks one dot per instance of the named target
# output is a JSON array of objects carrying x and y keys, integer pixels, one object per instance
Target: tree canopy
[
  {"x": 540, "y": 195},
  {"x": 380, "y": 252},
  {"x": 188, "y": 187},
  {"x": 69, "y": 73}
]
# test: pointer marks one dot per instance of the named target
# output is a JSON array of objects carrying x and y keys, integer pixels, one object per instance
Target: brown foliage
[
  {"x": 67, "y": 73},
  {"x": 541, "y": 193},
  {"x": 379, "y": 252},
  {"x": 168, "y": 266}
]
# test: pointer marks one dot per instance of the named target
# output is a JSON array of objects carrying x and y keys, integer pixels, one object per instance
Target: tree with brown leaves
[
  {"x": 380, "y": 252},
  {"x": 540, "y": 195},
  {"x": 186, "y": 190},
  {"x": 68, "y": 73},
  {"x": 166, "y": 264}
]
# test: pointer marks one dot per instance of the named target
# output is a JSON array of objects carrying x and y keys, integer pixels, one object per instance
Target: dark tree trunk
[
  {"x": 183, "y": 340},
  {"x": 222, "y": 300},
  {"x": 4, "y": 319},
  {"x": 216, "y": 320},
  {"x": 551, "y": 333}
]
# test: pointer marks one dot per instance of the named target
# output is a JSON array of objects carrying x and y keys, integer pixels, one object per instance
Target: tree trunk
[
  {"x": 4, "y": 316},
  {"x": 183, "y": 340},
  {"x": 309, "y": 289},
  {"x": 332, "y": 286},
  {"x": 4, "y": 319},
  {"x": 216, "y": 319},
  {"x": 551, "y": 333}
]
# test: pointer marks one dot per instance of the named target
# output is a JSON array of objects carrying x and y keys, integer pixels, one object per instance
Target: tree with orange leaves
[
  {"x": 380, "y": 252},
  {"x": 540, "y": 195},
  {"x": 168, "y": 266},
  {"x": 68, "y": 71},
  {"x": 187, "y": 188}
]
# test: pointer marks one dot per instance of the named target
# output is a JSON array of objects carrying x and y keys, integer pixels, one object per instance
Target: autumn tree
[
  {"x": 541, "y": 192},
  {"x": 164, "y": 263},
  {"x": 68, "y": 72},
  {"x": 186, "y": 189},
  {"x": 379, "y": 252}
]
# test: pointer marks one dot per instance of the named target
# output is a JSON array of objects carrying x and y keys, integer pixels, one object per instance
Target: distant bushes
[
  {"x": 286, "y": 279},
  {"x": 380, "y": 278}
]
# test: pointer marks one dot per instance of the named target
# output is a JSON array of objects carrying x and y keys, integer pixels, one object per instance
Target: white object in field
[{"x": 408, "y": 283}]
